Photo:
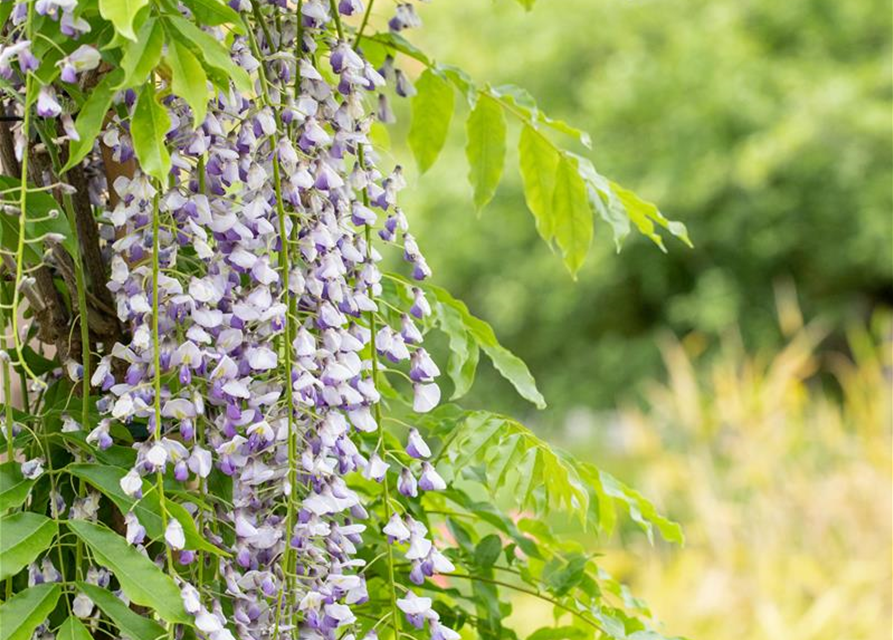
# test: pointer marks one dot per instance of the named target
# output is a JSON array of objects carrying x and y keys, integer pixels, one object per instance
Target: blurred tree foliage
[{"x": 764, "y": 126}]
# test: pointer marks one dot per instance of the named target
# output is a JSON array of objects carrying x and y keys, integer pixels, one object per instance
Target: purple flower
[
  {"x": 416, "y": 446},
  {"x": 174, "y": 535},
  {"x": 417, "y": 609},
  {"x": 136, "y": 533},
  {"x": 47, "y": 105},
  {"x": 407, "y": 484},
  {"x": 84, "y": 58},
  {"x": 430, "y": 480}
]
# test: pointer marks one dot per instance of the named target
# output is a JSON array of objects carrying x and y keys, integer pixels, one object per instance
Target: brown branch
[
  {"x": 88, "y": 233},
  {"x": 7, "y": 150}
]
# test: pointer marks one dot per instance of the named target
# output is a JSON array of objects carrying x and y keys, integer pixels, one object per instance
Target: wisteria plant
[{"x": 220, "y": 417}]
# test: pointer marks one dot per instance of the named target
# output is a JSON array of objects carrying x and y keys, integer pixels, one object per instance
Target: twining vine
[{"x": 236, "y": 430}]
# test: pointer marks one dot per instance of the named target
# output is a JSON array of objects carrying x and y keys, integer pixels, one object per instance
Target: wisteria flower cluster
[{"x": 236, "y": 429}]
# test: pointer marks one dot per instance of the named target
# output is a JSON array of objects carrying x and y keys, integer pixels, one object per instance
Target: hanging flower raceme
[
  {"x": 198, "y": 180},
  {"x": 248, "y": 286}
]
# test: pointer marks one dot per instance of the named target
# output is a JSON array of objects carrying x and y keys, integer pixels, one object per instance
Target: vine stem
[
  {"x": 23, "y": 218},
  {"x": 8, "y": 418},
  {"x": 156, "y": 378},
  {"x": 80, "y": 281},
  {"x": 336, "y": 16},
  {"x": 356, "y": 42},
  {"x": 199, "y": 431},
  {"x": 284, "y": 267},
  {"x": 395, "y": 616},
  {"x": 530, "y": 592}
]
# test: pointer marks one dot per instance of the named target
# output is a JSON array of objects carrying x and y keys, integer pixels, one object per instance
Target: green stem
[
  {"x": 337, "y": 18},
  {"x": 395, "y": 615},
  {"x": 284, "y": 268},
  {"x": 23, "y": 218},
  {"x": 530, "y": 592},
  {"x": 356, "y": 42},
  {"x": 156, "y": 378},
  {"x": 8, "y": 418}
]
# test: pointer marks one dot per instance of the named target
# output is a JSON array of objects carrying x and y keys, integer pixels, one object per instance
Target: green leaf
[
  {"x": 508, "y": 364},
  {"x": 148, "y": 128},
  {"x": 506, "y": 448},
  {"x": 213, "y": 13},
  {"x": 485, "y": 149},
  {"x": 519, "y": 99},
  {"x": 143, "y": 55},
  {"x": 567, "y": 576},
  {"x": 140, "y": 578},
  {"x": 432, "y": 110},
  {"x": 25, "y": 536},
  {"x": 572, "y": 216},
  {"x": 92, "y": 115},
  {"x": 129, "y": 623},
  {"x": 36, "y": 362},
  {"x": 641, "y": 510},
  {"x": 462, "y": 364},
  {"x": 464, "y": 353},
  {"x": 122, "y": 13},
  {"x": 398, "y": 43},
  {"x": 609, "y": 489},
  {"x": 73, "y": 629},
  {"x": 461, "y": 81},
  {"x": 604, "y": 201},
  {"x": 538, "y": 160},
  {"x": 44, "y": 215},
  {"x": 5, "y": 12},
  {"x": 189, "y": 80},
  {"x": 215, "y": 55},
  {"x": 644, "y": 214},
  {"x": 14, "y": 487},
  {"x": 487, "y": 551},
  {"x": 527, "y": 4},
  {"x": 107, "y": 479},
  {"x": 25, "y": 611},
  {"x": 559, "y": 633},
  {"x": 524, "y": 106}
]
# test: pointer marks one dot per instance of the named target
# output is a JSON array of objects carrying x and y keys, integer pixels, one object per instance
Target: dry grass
[{"x": 779, "y": 468}]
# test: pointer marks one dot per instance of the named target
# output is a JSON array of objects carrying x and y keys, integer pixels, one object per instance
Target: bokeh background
[{"x": 745, "y": 384}]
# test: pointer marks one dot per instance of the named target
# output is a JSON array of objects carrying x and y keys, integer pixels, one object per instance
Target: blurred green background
[{"x": 744, "y": 384}]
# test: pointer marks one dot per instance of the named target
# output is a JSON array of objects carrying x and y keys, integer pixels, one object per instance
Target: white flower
[
  {"x": 178, "y": 408},
  {"x": 69, "y": 424},
  {"x": 414, "y": 605},
  {"x": 425, "y": 397},
  {"x": 131, "y": 483},
  {"x": 444, "y": 633},
  {"x": 123, "y": 407},
  {"x": 200, "y": 462},
  {"x": 396, "y": 529},
  {"x": 341, "y": 613},
  {"x": 82, "y": 606},
  {"x": 416, "y": 445},
  {"x": 362, "y": 419},
  {"x": 440, "y": 562},
  {"x": 262, "y": 358},
  {"x": 376, "y": 468},
  {"x": 190, "y": 596},
  {"x": 32, "y": 469},
  {"x": 419, "y": 547},
  {"x": 157, "y": 455},
  {"x": 208, "y": 622},
  {"x": 135, "y": 531},
  {"x": 174, "y": 535}
]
